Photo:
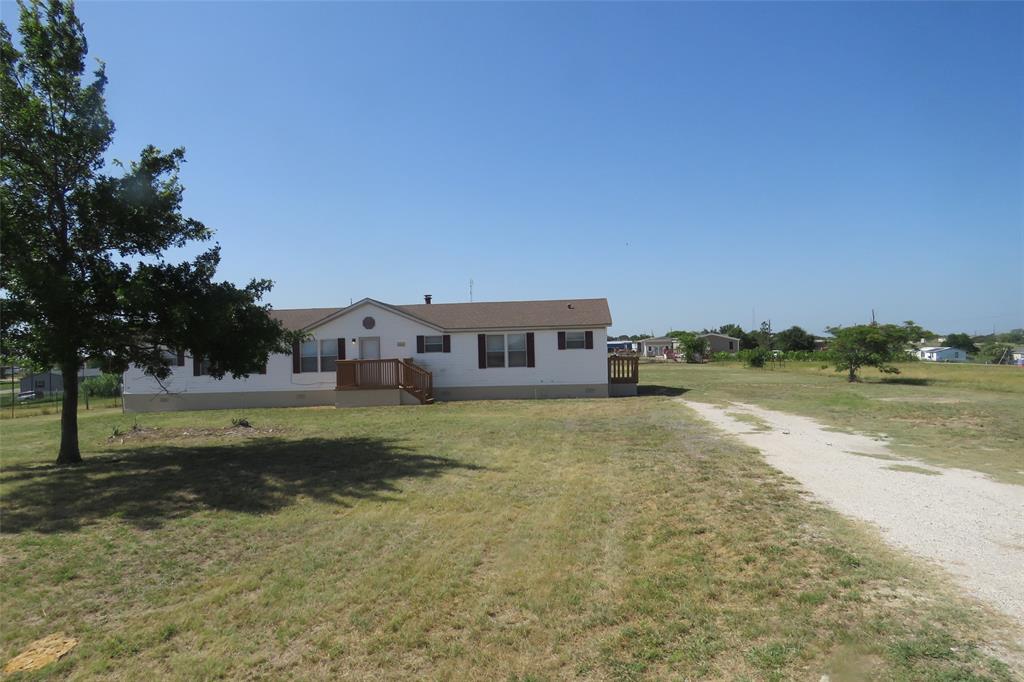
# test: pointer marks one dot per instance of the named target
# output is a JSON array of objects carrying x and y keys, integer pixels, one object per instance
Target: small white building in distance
[
  {"x": 657, "y": 347},
  {"x": 941, "y": 354}
]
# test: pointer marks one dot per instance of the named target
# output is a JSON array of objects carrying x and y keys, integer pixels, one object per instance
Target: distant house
[
  {"x": 720, "y": 343},
  {"x": 52, "y": 381},
  {"x": 1018, "y": 355},
  {"x": 657, "y": 347},
  {"x": 623, "y": 346},
  {"x": 941, "y": 354}
]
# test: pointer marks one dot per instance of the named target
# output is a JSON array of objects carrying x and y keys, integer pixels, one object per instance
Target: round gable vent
[{"x": 369, "y": 322}]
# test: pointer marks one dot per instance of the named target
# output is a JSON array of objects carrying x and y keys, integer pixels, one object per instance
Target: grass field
[
  {"x": 961, "y": 415},
  {"x": 602, "y": 539}
]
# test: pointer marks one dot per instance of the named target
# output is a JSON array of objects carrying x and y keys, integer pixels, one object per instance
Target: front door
[{"x": 369, "y": 348}]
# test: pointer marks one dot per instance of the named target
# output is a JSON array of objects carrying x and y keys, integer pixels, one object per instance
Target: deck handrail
[
  {"x": 389, "y": 373},
  {"x": 623, "y": 369},
  {"x": 415, "y": 377}
]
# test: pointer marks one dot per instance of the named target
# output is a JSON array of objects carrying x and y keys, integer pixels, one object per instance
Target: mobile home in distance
[{"x": 941, "y": 354}]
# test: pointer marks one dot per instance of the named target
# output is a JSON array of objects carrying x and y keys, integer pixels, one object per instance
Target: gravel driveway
[{"x": 970, "y": 524}]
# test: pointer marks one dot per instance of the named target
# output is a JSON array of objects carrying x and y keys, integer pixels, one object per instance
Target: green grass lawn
[
  {"x": 959, "y": 415},
  {"x": 537, "y": 540}
]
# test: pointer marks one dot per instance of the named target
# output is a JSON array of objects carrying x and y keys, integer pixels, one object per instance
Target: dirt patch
[
  {"x": 139, "y": 434},
  {"x": 968, "y": 523}
]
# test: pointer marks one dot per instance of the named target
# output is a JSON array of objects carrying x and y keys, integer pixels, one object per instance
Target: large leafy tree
[
  {"x": 794, "y": 338},
  {"x": 962, "y": 341},
  {"x": 83, "y": 274},
  {"x": 694, "y": 348},
  {"x": 870, "y": 345}
]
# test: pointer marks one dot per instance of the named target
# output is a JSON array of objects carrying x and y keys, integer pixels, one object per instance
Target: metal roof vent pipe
[{"x": 426, "y": 298}]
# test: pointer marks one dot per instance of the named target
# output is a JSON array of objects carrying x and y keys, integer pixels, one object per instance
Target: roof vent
[{"x": 426, "y": 298}]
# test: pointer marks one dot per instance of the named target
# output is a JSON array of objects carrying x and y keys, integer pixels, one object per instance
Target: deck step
[{"x": 419, "y": 395}]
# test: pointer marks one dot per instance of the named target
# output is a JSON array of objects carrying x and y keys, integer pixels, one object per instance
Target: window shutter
[
  {"x": 197, "y": 365},
  {"x": 481, "y": 350},
  {"x": 530, "y": 362},
  {"x": 561, "y": 340},
  {"x": 446, "y": 343},
  {"x": 296, "y": 361},
  {"x": 420, "y": 344},
  {"x": 181, "y": 358},
  {"x": 341, "y": 349},
  {"x": 588, "y": 342}
]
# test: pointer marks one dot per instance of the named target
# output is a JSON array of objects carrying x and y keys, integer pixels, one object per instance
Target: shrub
[
  {"x": 756, "y": 357},
  {"x": 103, "y": 386}
]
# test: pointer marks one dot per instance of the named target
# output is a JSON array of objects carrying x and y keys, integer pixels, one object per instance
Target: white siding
[{"x": 455, "y": 369}]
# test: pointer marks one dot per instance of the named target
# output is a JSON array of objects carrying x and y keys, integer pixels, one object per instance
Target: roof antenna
[{"x": 470, "y": 289}]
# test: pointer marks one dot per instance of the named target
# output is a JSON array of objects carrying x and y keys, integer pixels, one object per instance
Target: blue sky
[{"x": 691, "y": 162}]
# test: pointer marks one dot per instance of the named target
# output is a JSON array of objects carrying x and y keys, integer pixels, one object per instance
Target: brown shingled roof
[
  {"x": 300, "y": 318},
  {"x": 583, "y": 312},
  {"x": 566, "y": 313}
]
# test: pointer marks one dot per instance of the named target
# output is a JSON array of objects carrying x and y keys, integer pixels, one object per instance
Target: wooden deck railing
[
  {"x": 391, "y": 373},
  {"x": 415, "y": 378},
  {"x": 623, "y": 369}
]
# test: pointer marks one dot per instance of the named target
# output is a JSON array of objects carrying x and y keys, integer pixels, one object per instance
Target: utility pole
[{"x": 470, "y": 289}]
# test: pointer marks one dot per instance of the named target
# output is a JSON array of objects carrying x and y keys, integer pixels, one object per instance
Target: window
[
  {"x": 203, "y": 367},
  {"x": 308, "y": 360},
  {"x": 433, "y": 344},
  {"x": 495, "y": 350},
  {"x": 575, "y": 339},
  {"x": 516, "y": 350},
  {"x": 730, "y": 345},
  {"x": 328, "y": 355}
]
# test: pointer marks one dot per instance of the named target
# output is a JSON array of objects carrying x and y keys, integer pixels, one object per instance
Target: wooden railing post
[{"x": 623, "y": 370}]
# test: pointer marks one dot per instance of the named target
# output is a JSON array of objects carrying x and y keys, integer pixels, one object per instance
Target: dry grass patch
[{"x": 603, "y": 539}]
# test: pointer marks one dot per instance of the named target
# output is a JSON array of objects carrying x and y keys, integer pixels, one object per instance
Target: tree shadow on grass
[
  {"x": 152, "y": 485},
  {"x": 652, "y": 389},
  {"x": 905, "y": 381}
]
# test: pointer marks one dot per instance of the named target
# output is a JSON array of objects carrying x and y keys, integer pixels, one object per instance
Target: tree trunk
[
  {"x": 853, "y": 374},
  {"x": 69, "y": 452}
]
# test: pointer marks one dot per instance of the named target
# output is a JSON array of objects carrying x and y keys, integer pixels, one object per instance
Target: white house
[
  {"x": 657, "y": 347},
  {"x": 941, "y": 354},
  {"x": 407, "y": 353}
]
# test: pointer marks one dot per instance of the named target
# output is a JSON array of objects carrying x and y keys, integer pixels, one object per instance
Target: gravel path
[{"x": 970, "y": 524}]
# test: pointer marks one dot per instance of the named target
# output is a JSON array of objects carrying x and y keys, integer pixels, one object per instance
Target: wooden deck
[{"x": 391, "y": 373}]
